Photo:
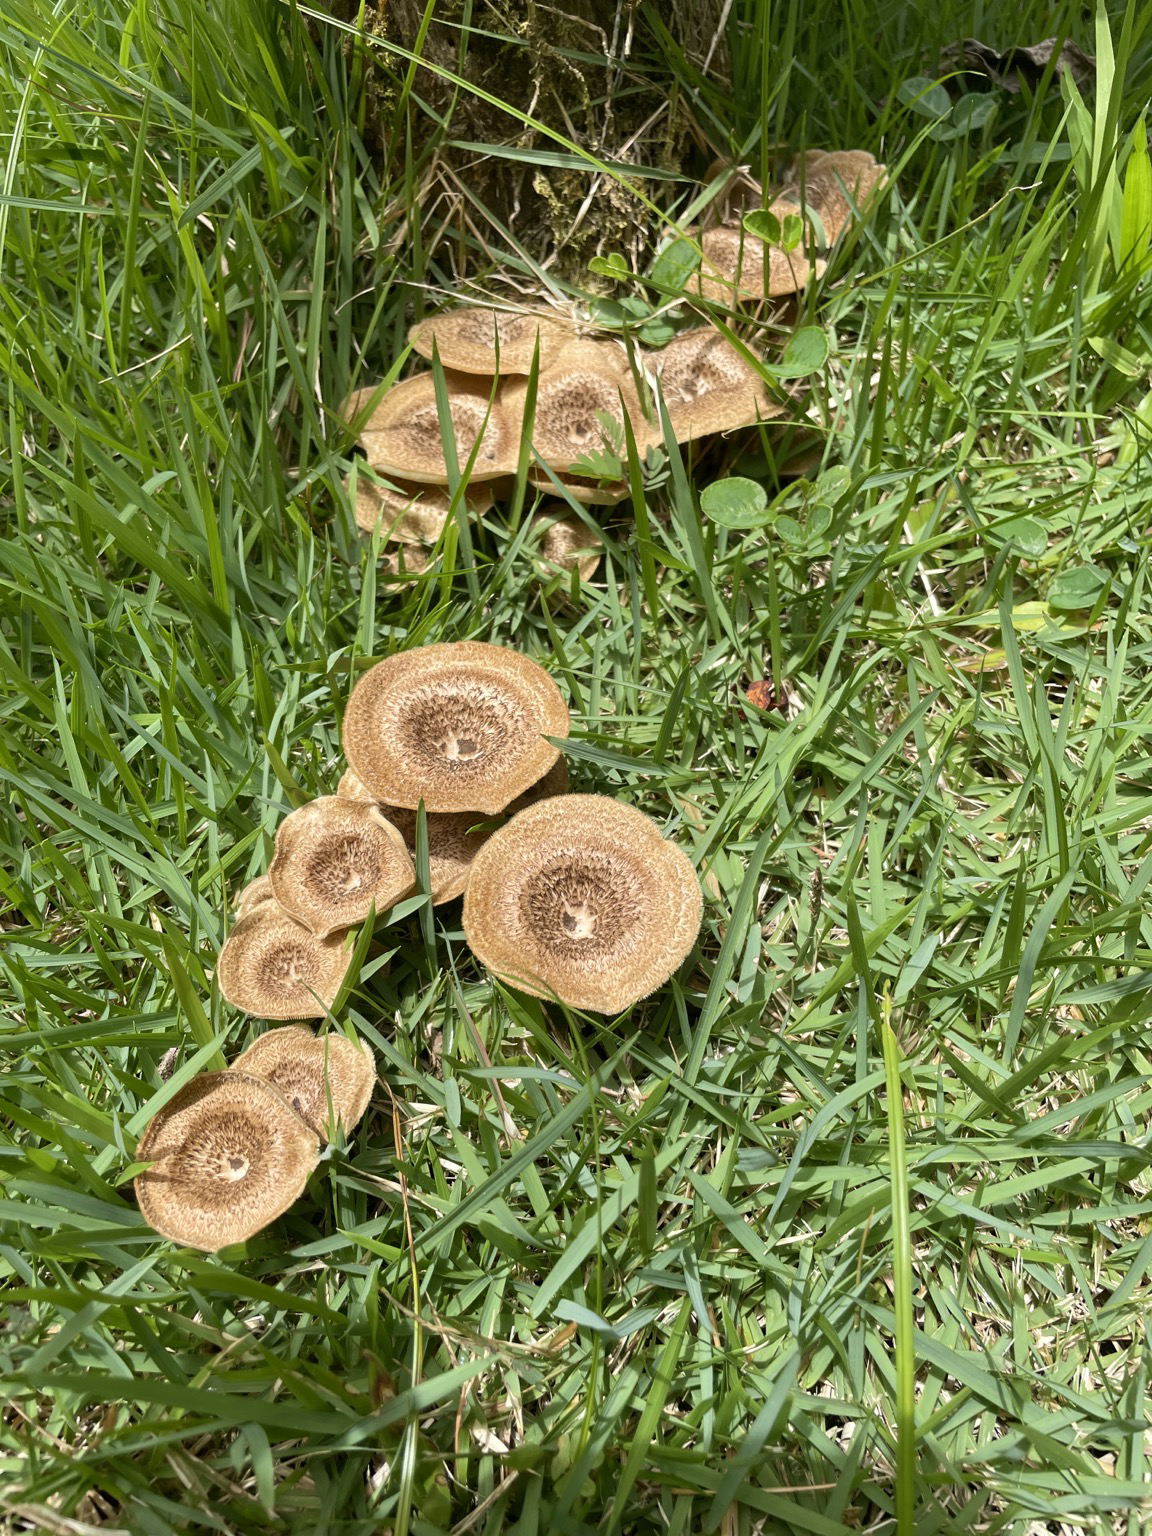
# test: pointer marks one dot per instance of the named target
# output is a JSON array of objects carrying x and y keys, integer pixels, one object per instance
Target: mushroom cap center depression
[
  {"x": 344, "y": 864},
  {"x": 460, "y": 727},
  {"x": 218, "y": 1157},
  {"x": 582, "y": 904},
  {"x": 288, "y": 965}
]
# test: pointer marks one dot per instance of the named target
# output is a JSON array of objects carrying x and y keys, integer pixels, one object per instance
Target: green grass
[{"x": 851, "y": 1227}]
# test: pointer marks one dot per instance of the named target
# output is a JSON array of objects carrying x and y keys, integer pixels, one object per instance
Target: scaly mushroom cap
[
  {"x": 350, "y": 788},
  {"x": 709, "y": 387},
  {"x": 588, "y": 380},
  {"x": 466, "y": 338},
  {"x": 732, "y": 263},
  {"x": 568, "y": 543},
  {"x": 273, "y": 967},
  {"x": 836, "y": 184},
  {"x": 229, "y": 1154},
  {"x": 580, "y": 898},
  {"x": 253, "y": 894},
  {"x": 403, "y": 435},
  {"x": 403, "y": 563},
  {"x": 460, "y": 726},
  {"x": 454, "y": 840},
  {"x": 590, "y": 493},
  {"x": 335, "y": 859},
  {"x": 311, "y": 1070},
  {"x": 408, "y": 513}
]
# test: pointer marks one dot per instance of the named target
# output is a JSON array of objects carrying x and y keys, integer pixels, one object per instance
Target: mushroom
[
  {"x": 732, "y": 264},
  {"x": 253, "y": 894},
  {"x": 554, "y": 782},
  {"x": 587, "y": 385},
  {"x": 466, "y": 338},
  {"x": 228, "y": 1154},
  {"x": 567, "y": 543},
  {"x": 275, "y": 968},
  {"x": 350, "y": 788},
  {"x": 709, "y": 387},
  {"x": 335, "y": 860},
  {"x": 454, "y": 839},
  {"x": 403, "y": 436},
  {"x": 313, "y": 1071},
  {"x": 836, "y": 184},
  {"x": 407, "y": 513},
  {"x": 581, "y": 898},
  {"x": 462, "y": 727},
  {"x": 591, "y": 493}
]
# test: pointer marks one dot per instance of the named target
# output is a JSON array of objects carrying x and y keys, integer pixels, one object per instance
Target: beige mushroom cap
[
  {"x": 350, "y": 788},
  {"x": 273, "y": 967},
  {"x": 709, "y": 387},
  {"x": 454, "y": 840},
  {"x": 253, "y": 894},
  {"x": 311, "y": 1070},
  {"x": 408, "y": 513},
  {"x": 581, "y": 898},
  {"x": 335, "y": 860},
  {"x": 403, "y": 436},
  {"x": 229, "y": 1154},
  {"x": 732, "y": 264},
  {"x": 466, "y": 338},
  {"x": 836, "y": 184},
  {"x": 588, "y": 380},
  {"x": 590, "y": 493},
  {"x": 566, "y": 542},
  {"x": 461, "y": 727}
]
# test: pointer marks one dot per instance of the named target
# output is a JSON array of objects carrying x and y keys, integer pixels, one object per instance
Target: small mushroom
[
  {"x": 581, "y": 898},
  {"x": 462, "y": 727},
  {"x": 836, "y": 184},
  {"x": 588, "y": 385},
  {"x": 403, "y": 436},
  {"x": 567, "y": 543},
  {"x": 228, "y": 1154},
  {"x": 313, "y": 1071},
  {"x": 732, "y": 264},
  {"x": 273, "y": 967},
  {"x": 335, "y": 860},
  {"x": 590, "y": 493},
  {"x": 253, "y": 894},
  {"x": 454, "y": 840},
  {"x": 407, "y": 513},
  {"x": 466, "y": 338},
  {"x": 709, "y": 387}
]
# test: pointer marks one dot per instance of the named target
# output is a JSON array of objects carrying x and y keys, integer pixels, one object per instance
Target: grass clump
[{"x": 849, "y": 1230}]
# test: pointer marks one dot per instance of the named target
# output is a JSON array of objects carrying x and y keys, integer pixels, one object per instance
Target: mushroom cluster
[
  {"x": 552, "y": 376},
  {"x": 232, "y": 1150}
]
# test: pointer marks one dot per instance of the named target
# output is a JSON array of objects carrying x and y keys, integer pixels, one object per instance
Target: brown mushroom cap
[
  {"x": 311, "y": 1070},
  {"x": 709, "y": 387},
  {"x": 590, "y": 493},
  {"x": 454, "y": 840},
  {"x": 273, "y": 967},
  {"x": 568, "y": 543},
  {"x": 403, "y": 436},
  {"x": 350, "y": 788},
  {"x": 732, "y": 262},
  {"x": 253, "y": 894},
  {"x": 581, "y": 898},
  {"x": 836, "y": 184},
  {"x": 554, "y": 782},
  {"x": 335, "y": 860},
  {"x": 461, "y": 727},
  {"x": 407, "y": 513},
  {"x": 466, "y": 338},
  {"x": 229, "y": 1154},
  {"x": 588, "y": 380}
]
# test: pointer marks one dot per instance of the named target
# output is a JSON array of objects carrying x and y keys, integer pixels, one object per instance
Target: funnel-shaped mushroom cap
[
  {"x": 466, "y": 338},
  {"x": 335, "y": 860},
  {"x": 732, "y": 263},
  {"x": 312, "y": 1070},
  {"x": 568, "y": 543},
  {"x": 229, "y": 1154},
  {"x": 836, "y": 184},
  {"x": 709, "y": 387},
  {"x": 274, "y": 968},
  {"x": 588, "y": 384},
  {"x": 408, "y": 513},
  {"x": 253, "y": 894},
  {"x": 590, "y": 493},
  {"x": 454, "y": 840},
  {"x": 582, "y": 899},
  {"x": 403, "y": 436},
  {"x": 461, "y": 727}
]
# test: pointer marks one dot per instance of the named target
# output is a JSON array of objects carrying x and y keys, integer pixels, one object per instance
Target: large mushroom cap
[
  {"x": 709, "y": 387},
  {"x": 273, "y": 967},
  {"x": 467, "y": 338},
  {"x": 335, "y": 859},
  {"x": 229, "y": 1154},
  {"x": 311, "y": 1071},
  {"x": 407, "y": 513},
  {"x": 454, "y": 840},
  {"x": 587, "y": 386},
  {"x": 836, "y": 184},
  {"x": 253, "y": 894},
  {"x": 461, "y": 727},
  {"x": 580, "y": 898},
  {"x": 403, "y": 435}
]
